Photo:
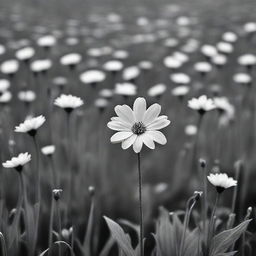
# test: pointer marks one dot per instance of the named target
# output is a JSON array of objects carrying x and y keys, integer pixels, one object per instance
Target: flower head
[
  {"x": 201, "y": 104},
  {"x": 221, "y": 181},
  {"x": 57, "y": 194},
  {"x": 138, "y": 126},
  {"x": 30, "y": 125},
  {"x": 48, "y": 150},
  {"x": 18, "y": 162},
  {"x": 68, "y": 102},
  {"x": 92, "y": 76}
]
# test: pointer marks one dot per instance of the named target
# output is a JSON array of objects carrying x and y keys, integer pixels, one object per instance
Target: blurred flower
[
  {"x": 2, "y": 49},
  {"x": 66, "y": 233},
  {"x": 131, "y": 73},
  {"x": 5, "y": 97},
  {"x": 101, "y": 103},
  {"x": 121, "y": 54},
  {"x": 138, "y": 126},
  {"x": 39, "y": 66},
  {"x": 57, "y": 194},
  {"x": 31, "y": 125},
  {"x": 226, "y": 110},
  {"x": 125, "y": 89},
  {"x": 180, "y": 91},
  {"x": 60, "y": 81},
  {"x": 229, "y": 37},
  {"x": 171, "y": 42},
  {"x": 46, "y": 41},
  {"x": 113, "y": 66},
  {"x": 160, "y": 187},
  {"x": 191, "y": 130},
  {"x": 172, "y": 63},
  {"x": 92, "y": 77},
  {"x": 181, "y": 57},
  {"x": 4, "y": 85},
  {"x": 203, "y": 67},
  {"x": 180, "y": 78},
  {"x": 106, "y": 93},
  {"x": 247, "y": 60},
  {"x": 25, "y": 54},
  {"x": 209, "y": 50},
  {"x": 201, "y": 104},
  {"x": 219, "y": 60},
  {"x": 250, "y": 27},
  {"x": 242, "y": 78},
  {"x": 145, "y": 65},
  {"x": 48, "y": 150},
  {"x": 68, "y": 102},
  {"x": 71, "y": 59},
  {"x": 9, "y": 67},
  {"x": 157, "y": 90},
  {"x": 225, "y": 48},
  {"x": 221, "y": 181},
  {"x": 27, "y": 96},
  {"x": 18, "y": 162}
]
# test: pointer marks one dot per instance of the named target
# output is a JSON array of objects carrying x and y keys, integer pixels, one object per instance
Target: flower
[
  {"x": 9, "y": 67},
  {"x": 113, "y": 66},
  {"x": 201, "y": 104},
  {"x": 101, "y": 103},
  {"x": 18, "y": 162},
  {"x": 57, "y": 194},
  {"x": 4, "y": 85},
  {"x": 30, "y": 125},
  {"x": 48, "y": 150},
  {"x": 40, "y": 65},
  {"x": 25, "y": 54},
  {"x": 180, "y": 78},
  {"x": 209, "y": 50},
  {"x": 203, "y": 67},
  {"x": 225, "y": 47},
  {"x": 219, "y": 60},
  {"x": 120, "y": 54},
  {"x": 68, "y": 102},
  {"x": 27, "y": 96},
  {"x": 46, "y": 41},
  {"x": 92, "y": 77},
  {"x": 106, "y": 93},
  {"x": 5, "y": 97},
  {"x": 138, "y": 126},
  {"x": 71, "y": 59},
  {"x": 191, "y": 130},
  {"x": 172, "y": 63},
  {"x": 157, "y": 90},
  {"x": 125, "y": 89},
  {"x": 250, "y": 27},
  {"x": 131, "y": 73},
  {"x": 145, "y": 65},
  {"x": 180, "y": 91},
  {"x": 247, "y": 60},
  {"x": 221, "y": 181},
  {"x": 229, "y": 37},
  {"x": 242, "y": 78}
]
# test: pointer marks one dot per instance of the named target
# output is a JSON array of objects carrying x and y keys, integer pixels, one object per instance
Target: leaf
[
  {"x": 131, "y": 225},
  {"x": 227, "y": 253},
  {"x": 3, "y": 245},
  {"x": 192, "y": 243},
  {"x": 61, "y": 243},
  {"x": 224, "y": 240},
  {"x": 120, "y": 237},
  {"x": 107, "y": 247}
]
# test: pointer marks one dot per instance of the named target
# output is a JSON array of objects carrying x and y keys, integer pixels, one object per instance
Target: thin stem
[
  {"x": 140, "y": 208},
  {"x": 38, "y": 195},
  {"x": 205, "y": 205},
  {"x": 51, "y": 226},
  {"x": 237, "y": 177},
  {"x": 59, "y": 223}
]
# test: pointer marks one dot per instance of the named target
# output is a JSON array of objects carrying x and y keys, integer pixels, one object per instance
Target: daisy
[
  {"x": 125, "y": 89},
  {"x": 31, "y": 125},
  {"x": 48, "y": 150},
  {"x": 46, "y": 41},
  {"x": 9, "y": 67},
  {"x": 27, "y": 96},
  {"x": 38, "y": 66},
  {"x": 138, "y": 126},
  {"x": 219, "y": 60},
  {"x": 221, "y": 181},
  {"x": 203, "y": 67},
  {"x": 242, "y": 78},
  {"x": 101, "y": 103},
  {"x": 209, "y": 50},
  {"x": 157, "y": 90},
  {"x": 92, "y": 77},
  {"x": 171, "y": 42},
  {"x": 68, "y": 102},
  {"x": 57, "y": 194},
  {"x": 71, "y": 59},
  {"x": 25, "y": 54},
  {"x": 172, "y": 63},
  {"x": 180, "y": 78},
  {"x": 131, "y": 73},
  {"x": 4, "y": 85},
  {"x": 180, "y": 91},
  {"x": 5, "y": 97},
  {"x": 18, "y": 162},
  {"x": 225, "y": 48},
  {"x": 113, "y": 66},
  {"x": 229, "y": 37},
  {"x": 250, "y": 27},
  {"x": 201, "y": 104},
  {"x": 106, "y": 93},
  {"x": 145, "y": 65},
  {"x": 121, "y": 54}
]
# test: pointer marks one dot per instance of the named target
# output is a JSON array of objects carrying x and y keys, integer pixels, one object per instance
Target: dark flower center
[{"x": 138, "y": 128}]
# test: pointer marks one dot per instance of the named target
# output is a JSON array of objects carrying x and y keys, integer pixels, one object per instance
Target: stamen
[{"x": 138, "y": 128}]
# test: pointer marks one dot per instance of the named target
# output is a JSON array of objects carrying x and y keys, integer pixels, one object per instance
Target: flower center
[{"x": 138, "y": 128}]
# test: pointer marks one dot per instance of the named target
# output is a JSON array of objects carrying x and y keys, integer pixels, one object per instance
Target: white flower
[
  {"x": 180, "y": 91},
  {"x": 242, "y": 78},
  {"x": 145, "y": 65},
  {"x": 181, "y": 57},
  {"x": 201, "y": 104},
  {"x": 203, "y": 67},
  {"x": 68, "y": 102},
  {"x": 92, "y": 77},
  {"x": 247, "y": 60},
  {"x": 125, "y": 89},
  {"x": 9, "y": 67},
  {"x": 219, "y": 60},
  {"x": 46, "y": 41},
  {"x": 171, "y": 42},
  {"x": 131, "y": 73},
  {"x": 225, "y": 47},
  {"x": 191, "y": 130},
  {"x": 180, "y": 78},
  {"x": 30, "y": 125},
  {"x": 41, "y": 65},
  {"x": 101, "y": 103},
  {"x": 250, "y": 27},
  {"x": 4, "y": 85},
  {"x": 6, "y": 97},
  {"x": 60, "y": 81},
  {"x": 209, "y": 50},
  {"x": 221, "y": 181},
  {"x": 18, "y": 162},
  {"x": 121, "y": 54},
  {"x": 48, "y": 150},
  {"x": 25, "y": 53},
  {"x": 172, "y": 63},
  {"x": 27, "y": 96},
  {"x": 2, "y": 49},
  {"x": 106, "y": 93},
  {"x": 157, "y": 90},
  {"x": 229, "y": 37},
  {"x": 70, "y": 59},
  {"x": 138, "y": 126},
  {"x": 113, "y": 66}
]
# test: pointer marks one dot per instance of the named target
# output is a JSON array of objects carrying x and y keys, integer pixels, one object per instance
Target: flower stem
[
  {"x": 51, "y": 226},
  {"x": 59, "y": 223},
  {"x": 140, "y": 207},
  {"x": 205, "y": 205}
]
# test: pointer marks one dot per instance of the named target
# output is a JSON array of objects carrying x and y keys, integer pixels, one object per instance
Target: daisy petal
[
  {"x": 139, "y": 108},
  {"x": 125, "y": 113},
  {"x": 158, "y": 137},
  {"x": 158, "y": 124},
  {"x": 118, "y": 126},
  {"x": 120, "y": 136},
  {"x": 128, "y": 142},
  {"x": 148, "y": 141},
  {"x": 137, "y": 145},
  {"x": 151, "y": 114}
]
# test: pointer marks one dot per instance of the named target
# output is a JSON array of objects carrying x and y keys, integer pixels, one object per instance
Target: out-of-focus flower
[
  {"x": 203, "y": 67},
  {"x": 180, "y": 91},
  {"x": 60, "y": 81},
  {"x": 229, "y": 37},
  {"x": 125, "y": 89},
  {"x": 180, "y": 78},
  {"x": 40, "y": 66},
  {"x": 106, "y": 93},
  {"x": 157, "y": 90},
  {"x": 201, "y": 104},
  {"x": 31, "y": 125},
  {"x": 131, "y": 73},
  {"x": 68, "y": 102},
  {"x": 92, "y": 77},
  {"x": 138, "y": 126},
  {"x": 226, "y": 110},
  {"x": 9, "y": 67},
  {"x": 4, "y": 85},
  {"x": 18, "y": 162},
  {"x": 5, "y": 97},
  {"x": 71, "y": 59},
  {"x": 221, "y": 181},
  {"x": 247, "y": 60},
  {"x": 250, "y": 27},
  {"x": 2, "y": 49},
  {"x": 145, "y": 65},
  {"x": 48, "y": 150},
  {"x": 242, "y": 78},
  {"x": 46, "y": 41},
  {"x": 219, "y": 60},
  {"x": 171, "y": 42},
  {"x": 101, "y": 103},
  {"x": 172, "y": 63},
  {"x": 225, "y": 48},
  {"x": 120, "y": 54},
  {"x": 160, "y": 187},
  {"x": 113, "y": 66},
  {"x": 181, "y": 57},
  {"x": 191, "y": 130},
  {"x": 57, "y": 194},
  {"x": 27, "y": 96},
  {"x": 25, "y": 54},
  {"x": 209, "y": 50}
]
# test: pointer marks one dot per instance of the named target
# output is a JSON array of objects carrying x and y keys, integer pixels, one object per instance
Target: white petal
[
  {"x": 148, "y": 140},
  {"x": 118, "y": 126},
  {"x": 137, "y": 145},
  {"x": 158, "y": 124},
  {"x": 128, "y": 142},
  {"x": 139, "y": 108},
  {"x": 151, "y": 114},
  {"x": 158, "y": 137},
  {"x": 120, "y": 136},
  {"x": 125, "y": 113}
]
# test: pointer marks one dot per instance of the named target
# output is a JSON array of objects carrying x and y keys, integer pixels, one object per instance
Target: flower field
[{"x": 127, "y": 128}]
